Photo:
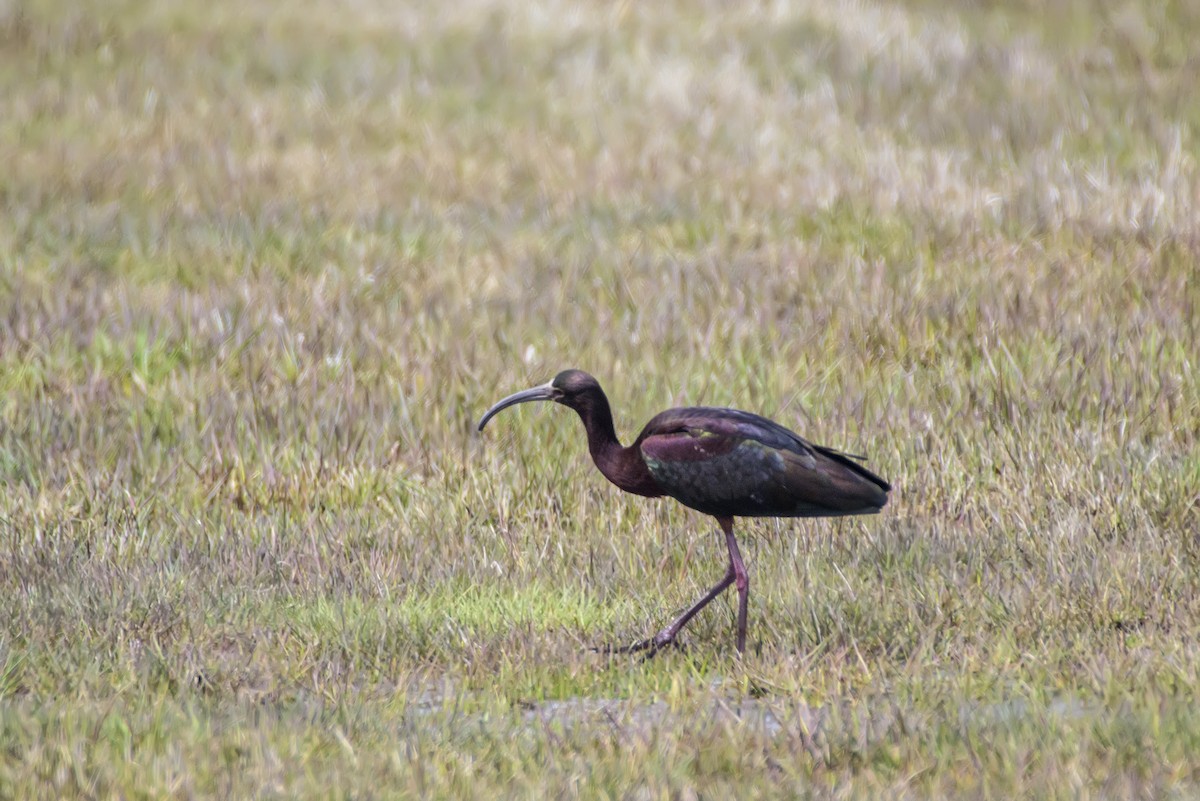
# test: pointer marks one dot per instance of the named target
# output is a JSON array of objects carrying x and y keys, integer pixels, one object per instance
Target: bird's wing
[{"x": 726, "y": 462}]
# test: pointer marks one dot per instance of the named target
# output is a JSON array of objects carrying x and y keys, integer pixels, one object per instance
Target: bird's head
[{"x": 573, "y": 388}]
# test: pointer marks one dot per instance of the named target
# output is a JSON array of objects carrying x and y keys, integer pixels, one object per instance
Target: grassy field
[{"x": 262, "y": 266}]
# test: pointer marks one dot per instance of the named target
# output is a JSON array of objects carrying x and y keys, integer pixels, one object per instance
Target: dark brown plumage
[{"x": 723, "y": 462}]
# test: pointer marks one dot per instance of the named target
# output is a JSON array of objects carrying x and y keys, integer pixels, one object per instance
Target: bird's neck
[
  {"x": 622, "y": 466},
  {"x": 602, "y": 437}
]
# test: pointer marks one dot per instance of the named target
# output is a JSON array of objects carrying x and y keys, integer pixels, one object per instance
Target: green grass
[{"x": 263, "y": 266}]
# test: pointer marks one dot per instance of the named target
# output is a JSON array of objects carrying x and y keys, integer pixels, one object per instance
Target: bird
[{"x": 719, "y": 461}]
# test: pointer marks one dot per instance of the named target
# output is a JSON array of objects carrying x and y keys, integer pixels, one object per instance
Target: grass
[{"x": 263, "y": 266}]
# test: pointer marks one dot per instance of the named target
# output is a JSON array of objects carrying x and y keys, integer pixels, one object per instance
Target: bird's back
[{"x": 729, "y": 462}]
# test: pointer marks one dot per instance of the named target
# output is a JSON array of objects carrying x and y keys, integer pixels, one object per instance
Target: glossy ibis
[{"x": 723, "y": 462}]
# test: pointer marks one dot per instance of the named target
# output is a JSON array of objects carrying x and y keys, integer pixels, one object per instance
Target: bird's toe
[{"x": 651, "y": 646}]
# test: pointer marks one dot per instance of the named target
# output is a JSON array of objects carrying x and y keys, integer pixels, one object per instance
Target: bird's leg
[
  {"x": 667, "y": 635},
  {"x": 738, "y": 568},
  {"x": 736, "y": 572}
]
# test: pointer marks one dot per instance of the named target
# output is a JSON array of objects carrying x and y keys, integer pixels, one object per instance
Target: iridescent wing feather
[{"x": 729, "y": 462}]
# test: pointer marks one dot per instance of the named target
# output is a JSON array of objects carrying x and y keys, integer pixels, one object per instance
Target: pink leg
[
  {"x": 738, "y": 568},
  {"x": 736, "y": 572}
]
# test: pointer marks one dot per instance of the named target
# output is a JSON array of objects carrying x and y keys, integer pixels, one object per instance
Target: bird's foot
[{"x": 651, "y": 646}]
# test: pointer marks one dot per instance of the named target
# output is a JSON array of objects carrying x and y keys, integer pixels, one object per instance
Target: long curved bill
[{"x": 540, "y": 393}]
